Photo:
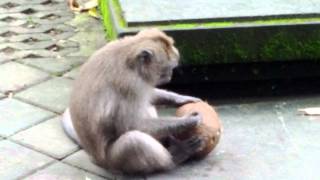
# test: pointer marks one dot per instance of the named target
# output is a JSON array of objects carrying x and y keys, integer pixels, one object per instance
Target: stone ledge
[{"x": 239, "y": 40}]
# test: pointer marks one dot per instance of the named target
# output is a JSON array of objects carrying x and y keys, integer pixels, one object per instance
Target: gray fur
[{"x": 111, "y": 105}]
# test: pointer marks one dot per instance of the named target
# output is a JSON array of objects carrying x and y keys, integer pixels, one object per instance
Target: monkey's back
[{"x": 103, "y": 95}]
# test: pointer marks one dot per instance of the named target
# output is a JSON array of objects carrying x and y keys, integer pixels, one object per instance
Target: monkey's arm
[
  {"x": 165, "y": 126},
  {"x": 161, "y": 96}
]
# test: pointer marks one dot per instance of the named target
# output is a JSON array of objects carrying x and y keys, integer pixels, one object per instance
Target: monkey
[{"x": 111, "y": 113}]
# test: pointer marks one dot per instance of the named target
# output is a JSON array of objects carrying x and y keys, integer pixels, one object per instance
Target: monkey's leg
[
  {"x": 138, "y": 152},
  {"x": 68, "y": 126},
  {"x": 161, "y": 96}
]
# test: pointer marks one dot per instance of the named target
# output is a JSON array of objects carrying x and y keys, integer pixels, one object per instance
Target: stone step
[{"x": 215, "y": 32}]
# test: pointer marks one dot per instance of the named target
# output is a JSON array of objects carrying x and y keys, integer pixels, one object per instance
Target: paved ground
[{"x": 42, "y": 46}]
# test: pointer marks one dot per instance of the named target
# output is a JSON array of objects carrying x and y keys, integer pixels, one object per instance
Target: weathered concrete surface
[{"x": 262, "y": 139}]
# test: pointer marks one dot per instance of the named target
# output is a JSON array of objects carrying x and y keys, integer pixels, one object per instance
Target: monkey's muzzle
[{"x": 165, "y": 76}]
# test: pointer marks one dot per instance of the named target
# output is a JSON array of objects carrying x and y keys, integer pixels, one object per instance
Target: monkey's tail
[{"x": 68, "y": 127}]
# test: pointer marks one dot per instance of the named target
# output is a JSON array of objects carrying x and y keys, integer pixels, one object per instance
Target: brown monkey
[{"x": 111, "y": 113}]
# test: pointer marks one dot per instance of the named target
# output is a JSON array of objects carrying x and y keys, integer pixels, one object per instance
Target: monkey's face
[
  {"x": 156, "y": 63},
  {"x": 167, "y": 68}
]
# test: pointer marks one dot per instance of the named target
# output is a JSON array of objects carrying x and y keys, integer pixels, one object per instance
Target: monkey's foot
[{"x": 182, "y": 150}]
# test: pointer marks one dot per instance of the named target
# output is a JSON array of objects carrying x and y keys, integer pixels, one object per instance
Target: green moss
[
  {"x": 240, "y": 51},
  {"x": 285, "y": 21},
  {"x": 242, "y": 22},
  {"x": 107, "y": 20},
  {"x": 197, "y": 25},
  {"x": 249, "y": 45},
  {"x": 119, "y": 14},
  {"x": 104, "y": 6},
  {"x": 287, "y": 46},
  {"x": 233, "y": 23}
]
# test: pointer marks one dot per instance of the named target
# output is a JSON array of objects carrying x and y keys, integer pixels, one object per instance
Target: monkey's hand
[
  {"x": 188, "y": 122},
  {"x": 181, "y": 100}
]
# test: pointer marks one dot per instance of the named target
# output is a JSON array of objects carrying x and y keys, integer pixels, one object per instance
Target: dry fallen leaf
[
  {"x": 90, "y": 4},
  {"x": 75, "y": 6},
  {"x": 93, "y": 12},
  {"x": 314, "y": 111}
]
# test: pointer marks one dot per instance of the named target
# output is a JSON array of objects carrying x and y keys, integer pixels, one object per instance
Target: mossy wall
[{"x": 251, "y": 44}]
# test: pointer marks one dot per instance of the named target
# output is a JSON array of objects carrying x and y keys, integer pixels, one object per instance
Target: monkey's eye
[{"x": 145, "y": 56}]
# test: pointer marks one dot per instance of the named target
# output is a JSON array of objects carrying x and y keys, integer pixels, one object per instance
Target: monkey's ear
[{"x": 145, "y": 56}]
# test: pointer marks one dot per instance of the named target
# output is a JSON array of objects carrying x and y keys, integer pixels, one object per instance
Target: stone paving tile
[
  {"x": 38, "y": 53},
  {"x": 63, "y": 171},
  {"x": 85, "y": 22},
  {"x": 93, "y": 41},
  {"x": 15, "y": 76},
  {"x": 53, "y": 29},
  {"x": 52, "y": 94},
  {"x": 36, "y": 15},
  {"x": 44, "y": 2},
  {"x": 16, "y": 20},
  {"x": 30, "y": 38},
  {"x": 55, "y": 66},
  {"x": 93, "y": 38},
  {"x": 39, "y": 15},
  {"x": 27, "y": 38},
  {"x": 32, "y": 8},
  {"x": 16, "y": 115},
  {"x": 47, "y": 137},
  {"x": 17, "y": 161},
  {"x": 73, "y": 73},
  {"x": 81, "y": 160},
  {"x": 49, "y": 45}
]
